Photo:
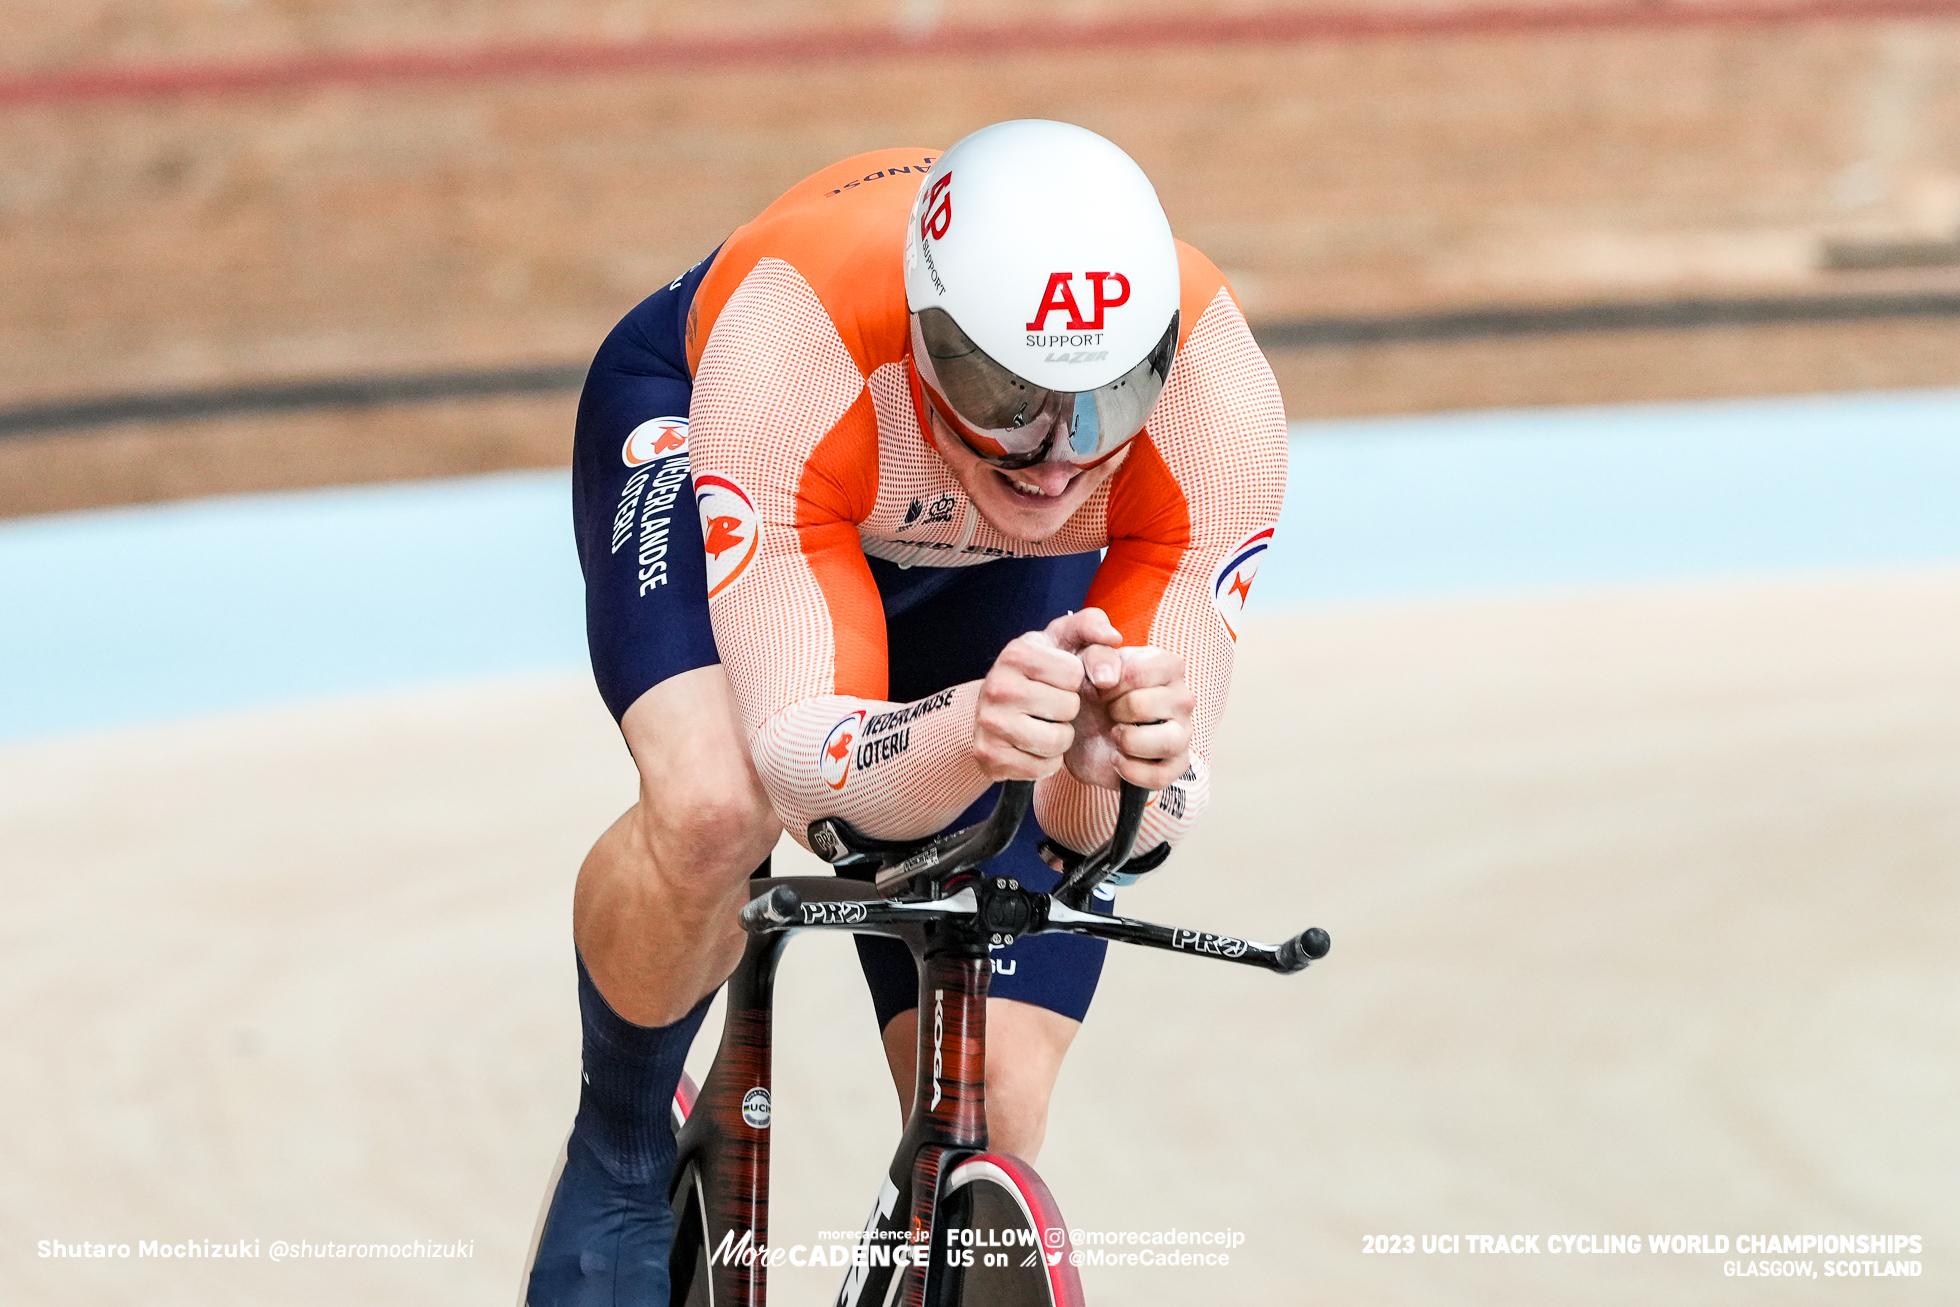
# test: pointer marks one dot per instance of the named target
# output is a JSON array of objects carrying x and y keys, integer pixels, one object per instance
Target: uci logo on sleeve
[{"x": 1233, "y": 584}]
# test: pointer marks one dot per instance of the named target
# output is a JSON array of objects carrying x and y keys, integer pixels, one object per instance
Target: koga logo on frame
[{"x": 938, "y": 1043}]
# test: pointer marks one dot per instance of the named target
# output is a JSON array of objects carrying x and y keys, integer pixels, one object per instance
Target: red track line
[{"x": 161, "y": 81}]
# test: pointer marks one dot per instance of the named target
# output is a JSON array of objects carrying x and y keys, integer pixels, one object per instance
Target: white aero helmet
[{"x": 1043, "y": 284}]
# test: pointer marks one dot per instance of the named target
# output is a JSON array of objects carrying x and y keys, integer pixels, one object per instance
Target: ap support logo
[
  {"x": 657, "y": 439},
  {"x": 834, "y": 759},
  {"x": 731, "y": 529},
  {"x": 1233, "y": 584},
  {"x": 1060, "y": 298},
  {"x": 936, "y": 214}
]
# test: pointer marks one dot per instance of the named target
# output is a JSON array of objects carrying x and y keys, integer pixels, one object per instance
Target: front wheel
[{"x": 1000, "y": 1240}]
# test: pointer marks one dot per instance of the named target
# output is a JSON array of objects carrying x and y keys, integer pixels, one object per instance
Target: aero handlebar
[
  {"x": 1110, "y": 858},
  {"x": 932, "y": 882}
]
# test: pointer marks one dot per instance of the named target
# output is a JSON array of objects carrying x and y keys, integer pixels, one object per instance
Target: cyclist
[{"x": 841, "y": 494}]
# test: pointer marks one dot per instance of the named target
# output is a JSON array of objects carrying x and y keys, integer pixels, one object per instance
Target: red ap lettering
[{"x": 1060, "y": 298}]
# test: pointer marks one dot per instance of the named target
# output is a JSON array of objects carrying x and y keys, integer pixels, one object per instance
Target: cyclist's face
[{"x": 1030, "y": 503}]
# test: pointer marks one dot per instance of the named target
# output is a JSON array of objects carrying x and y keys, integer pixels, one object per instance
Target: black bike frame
[
  {"x": 723, "y": 1155},
  {"x": 932, "y": 897}
]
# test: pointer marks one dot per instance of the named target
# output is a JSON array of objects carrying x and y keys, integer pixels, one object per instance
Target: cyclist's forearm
[
  {"x": 897, "y": 771},
  {"x": 1080, "y": 816}
]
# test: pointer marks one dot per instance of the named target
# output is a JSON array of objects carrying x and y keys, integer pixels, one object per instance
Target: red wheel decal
[{"x": 1064, "y": 1281}]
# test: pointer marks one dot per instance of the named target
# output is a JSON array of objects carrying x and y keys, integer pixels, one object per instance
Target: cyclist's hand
[
  {"x": 1135, "y": 724},
  {"x": 1021, "y": 725}
]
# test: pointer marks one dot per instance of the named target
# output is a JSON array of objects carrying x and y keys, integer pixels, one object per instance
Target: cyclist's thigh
[{"x": 638, "y": 533}]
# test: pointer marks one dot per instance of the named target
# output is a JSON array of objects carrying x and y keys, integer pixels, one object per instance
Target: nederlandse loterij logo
[
  {"x": 834, "y": 759},
  {"x": 658, "y": 438},
  {"x": 730, "y": 530},
  {"x": 1233, "y": 584}
]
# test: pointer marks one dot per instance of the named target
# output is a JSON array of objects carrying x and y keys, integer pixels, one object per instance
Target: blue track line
[{"x": 119, "y": 617}]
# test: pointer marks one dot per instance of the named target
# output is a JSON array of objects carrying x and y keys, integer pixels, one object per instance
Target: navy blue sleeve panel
[
  {"x": 946, "y": 626},
  {"x": 633, "y": 513}
]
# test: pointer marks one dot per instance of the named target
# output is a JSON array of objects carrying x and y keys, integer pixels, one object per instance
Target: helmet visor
[{"x": 1013, "y": 423}]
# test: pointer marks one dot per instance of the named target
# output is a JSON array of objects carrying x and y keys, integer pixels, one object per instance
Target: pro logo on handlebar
[
  {"x": 848, "y": 913},
  {"x": 1198, "y": 941}
]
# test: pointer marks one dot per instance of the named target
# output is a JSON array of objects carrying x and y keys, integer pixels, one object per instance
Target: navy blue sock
[{"x": 609, "y": 1228}]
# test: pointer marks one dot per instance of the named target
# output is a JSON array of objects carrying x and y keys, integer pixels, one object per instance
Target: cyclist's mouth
[{"x": 1030, "y": 490}]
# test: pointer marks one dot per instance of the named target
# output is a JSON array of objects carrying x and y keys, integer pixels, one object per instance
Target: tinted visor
[{"x": 1012, "y": 423}]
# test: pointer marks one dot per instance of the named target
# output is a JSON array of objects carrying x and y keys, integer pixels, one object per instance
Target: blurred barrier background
[{"x": 251, "y": 245}]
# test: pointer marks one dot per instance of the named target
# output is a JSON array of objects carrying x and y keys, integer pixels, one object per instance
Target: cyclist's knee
[
  {"x": 707, "y": 833},
  {"x": 703, "y": 814}
]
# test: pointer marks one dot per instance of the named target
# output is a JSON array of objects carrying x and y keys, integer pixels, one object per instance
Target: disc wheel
[
  {"x": 1000, "y": 1240},
  {"x": 689, "y": 1280}
]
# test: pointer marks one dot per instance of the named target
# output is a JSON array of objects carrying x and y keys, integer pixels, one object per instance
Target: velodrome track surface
[{"x": 1643, "y": 901}]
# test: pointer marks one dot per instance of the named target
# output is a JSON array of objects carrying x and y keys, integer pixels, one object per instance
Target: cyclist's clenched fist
[
  {"x": 1134, "y": 722},
  {"x": 1022, "y": 724},
  {"x": 1071, "y": 693}
]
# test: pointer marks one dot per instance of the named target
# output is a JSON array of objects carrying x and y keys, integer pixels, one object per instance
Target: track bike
[{"x": 954, "y": 1225}]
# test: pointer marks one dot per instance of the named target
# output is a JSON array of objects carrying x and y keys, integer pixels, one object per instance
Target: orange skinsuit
[{"x": 810, "y": 451}]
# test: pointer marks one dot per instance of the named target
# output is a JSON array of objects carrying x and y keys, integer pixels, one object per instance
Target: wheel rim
[{"x": 1004, "y": 1243}]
